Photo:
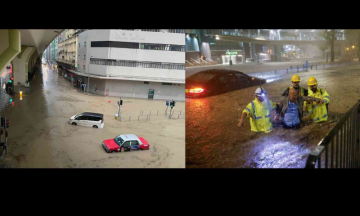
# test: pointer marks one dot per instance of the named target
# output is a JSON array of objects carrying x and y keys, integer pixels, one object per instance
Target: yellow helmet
[
  {"x": 295, "y": 78},
  {"x": 312, "y": 81}
]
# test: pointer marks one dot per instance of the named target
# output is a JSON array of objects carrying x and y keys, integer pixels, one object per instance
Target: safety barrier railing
[
  {"x": 201, "y": 62},
  {"x": 341, "y": 147},
  {"x": 3, "y": 133},
  {"x": 228, "y": 32},
  {"x": 300, "y": 68},
  {"x": 159, "y": 112}
]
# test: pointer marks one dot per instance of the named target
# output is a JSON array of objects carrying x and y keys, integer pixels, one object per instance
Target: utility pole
[
  {"x": 88, "y": 62},
  {"x": 119, "y": 108}
]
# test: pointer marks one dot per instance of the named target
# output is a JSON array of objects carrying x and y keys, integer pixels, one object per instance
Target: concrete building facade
[{"x": 135, "y": 63}]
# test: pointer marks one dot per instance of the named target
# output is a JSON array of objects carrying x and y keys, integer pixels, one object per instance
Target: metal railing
[
  {"x": 3, "y": 144},
  {"x": 341, "y": 147},
  {"x": 228, "y": 32},
  {"x": 201, "y": 62},
  {"x": 300, "y": 68}
]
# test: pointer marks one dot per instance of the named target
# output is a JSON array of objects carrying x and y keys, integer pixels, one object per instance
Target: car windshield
[
  {"x": 119, "y": 140},
  {"x": 201, "y": 77}
]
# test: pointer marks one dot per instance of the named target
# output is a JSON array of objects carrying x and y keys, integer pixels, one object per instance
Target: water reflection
[{"x": 280, "y": 155}]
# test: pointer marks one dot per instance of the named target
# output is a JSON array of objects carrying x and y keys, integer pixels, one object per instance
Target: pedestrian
[
  {"x": 318, "y": 111},
  {"x": 296, "y": 85},
  {"x": 259, "y": 111},
  {"x": 307, "y": 66},
  {"x": 290, "y": 109}
]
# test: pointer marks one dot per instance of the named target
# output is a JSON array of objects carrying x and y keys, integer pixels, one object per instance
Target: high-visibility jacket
[
  {"x": 260, "y": 113},
  {"x": 317, "y": 111}
]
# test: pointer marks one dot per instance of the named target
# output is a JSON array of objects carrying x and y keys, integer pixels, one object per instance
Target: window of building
[
  {"x": 85, "y": 44},
  {"x": 166, "y": 83},
  {"x": 142, "y": 64},
  {"x": 84, "y": 57},
  {"x": 131, "y": 45},
  {"x": 146, "y": 82},
  {"x": 84, "y": 67},
  {"x": 79, "y": 45}
]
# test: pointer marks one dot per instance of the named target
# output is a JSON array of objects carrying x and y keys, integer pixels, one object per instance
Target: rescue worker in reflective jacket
[
  {"x": 259, "y": 111},
  {"x": 318, "y": 112},
  {"x": 290, "y": 109},
  {"x": 296, "y": 85}
]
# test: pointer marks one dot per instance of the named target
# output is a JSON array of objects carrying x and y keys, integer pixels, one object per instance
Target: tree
[
  {"x": 353, "y": 38},
  {"x": 323, "y": 48},
  {"x": 330, "y": 36}
]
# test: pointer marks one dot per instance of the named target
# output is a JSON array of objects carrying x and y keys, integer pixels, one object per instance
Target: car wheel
[
  {"x": 95, "y": 126},
  {"x": 74, "y": 123}
]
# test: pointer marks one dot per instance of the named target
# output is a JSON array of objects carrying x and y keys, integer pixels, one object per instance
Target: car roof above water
[
  {"x": 218, "y": 71},
  {"x": 127, "y": 137},
  {"x": 92, "y": 114}
]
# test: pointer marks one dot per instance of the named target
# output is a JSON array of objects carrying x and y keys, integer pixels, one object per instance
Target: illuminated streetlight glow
[{"x": 353, "y": 46}]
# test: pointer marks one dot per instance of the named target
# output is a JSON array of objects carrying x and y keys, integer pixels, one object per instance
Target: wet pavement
[
  {"x": 40, "y": 136},
  {"x": 213, "y": 139}
]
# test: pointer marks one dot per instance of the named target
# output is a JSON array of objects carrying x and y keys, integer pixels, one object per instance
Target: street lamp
[{"x": 353, "y": 46}]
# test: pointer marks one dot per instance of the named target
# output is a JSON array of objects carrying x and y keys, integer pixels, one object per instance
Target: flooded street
[
  {"x": 40, "y": 136},
  {"x": 213, "y": 139}
]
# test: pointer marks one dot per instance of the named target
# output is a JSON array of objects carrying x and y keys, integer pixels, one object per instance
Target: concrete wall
[
  {"x": 20, "y": 63},
  {"x": 139, "y": 73},
  {"x": 131, "y": 54},
  {"x": 205, "y": 49},
  {"x": 10, "y": 46},
  {"x": 141, "y": 37},
  {"x": 138, "y": 89},
  {"x": 82, "y": 51},
  {"x": 4, "y": 38},
  {"x": 192, "y": 44}
]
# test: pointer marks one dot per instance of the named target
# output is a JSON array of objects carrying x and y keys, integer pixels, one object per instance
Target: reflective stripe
[
  {"x": 325, "y": 100},
  {"x": 253, "y": 106},
  {"x": 258, "y": 117},
  {"x": 324, "y": 116},
  {"x": 316, "y": 119},
  {"x": 248, "y": 110},
  {"x": 268, "y": 116},
  {"x": 269, "y": 106},
  {"x": 269, "y": 129},
  {"x": 315, "y": 106},
  {"x": 327, "y": 97},
  {"x": 310, "y": 111}
]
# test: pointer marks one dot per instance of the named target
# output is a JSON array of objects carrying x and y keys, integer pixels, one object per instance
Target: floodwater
[
  {"x": 40, "y": 136},
  {"x": 213, "y": 139}
]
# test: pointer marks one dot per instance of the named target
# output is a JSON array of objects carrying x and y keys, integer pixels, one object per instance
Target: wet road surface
[
  {"x": 40, "y": 136},
  {"x": 213, "y": 139}
]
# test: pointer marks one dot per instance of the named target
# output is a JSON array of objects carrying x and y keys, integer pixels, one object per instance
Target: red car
[{"x": 126, "y": 142}]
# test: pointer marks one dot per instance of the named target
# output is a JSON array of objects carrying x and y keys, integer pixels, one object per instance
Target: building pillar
[
  {"x": 10, "y": 46},
  {"x": 20, "y": 65},
  {"x": 277, "y": 52}
]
